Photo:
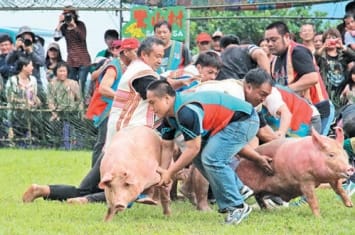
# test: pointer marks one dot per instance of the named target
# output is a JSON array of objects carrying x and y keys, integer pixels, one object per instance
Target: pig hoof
[
  {"x": 78, "y": 200},
  {"x": 188, "y": 195},
  {"x": 33, "y": 192},
  {"x": 349, "y": 204},
  {"x": 147, "y": 201},
  {"x": 204, "y": 208},
  {"x": 167, "y": 212}
]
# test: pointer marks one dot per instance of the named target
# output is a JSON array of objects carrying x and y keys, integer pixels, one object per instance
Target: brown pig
[
  {"x": 129, "y": 166},
  {"x": 300, "y": 165}
]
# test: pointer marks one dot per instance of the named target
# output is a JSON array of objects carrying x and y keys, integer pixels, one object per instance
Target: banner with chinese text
[{"x": 143, "y": 18}]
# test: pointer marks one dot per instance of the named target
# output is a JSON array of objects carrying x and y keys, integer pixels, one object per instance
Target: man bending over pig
[{"x": 209, "y": 121}]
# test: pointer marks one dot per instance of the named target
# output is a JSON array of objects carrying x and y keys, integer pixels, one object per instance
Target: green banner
[{"x": 143, "y": 19}]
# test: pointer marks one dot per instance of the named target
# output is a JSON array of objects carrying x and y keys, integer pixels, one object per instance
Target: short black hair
[
  {"x": 161, "y": 88},
  {"x": 59, "y": 65},
  {"x": 350, "y": 7},
  {"x": 5, "y": 37},
  {"x": 229, "y": 39},
  {"x": 22, "y": 60},
  {"x": 161, "y": 23},
  {"x": 209, "y": 59},
  {"x": 258, "y": 76},
  {"x": 280, "y": 26},
  {"x": 111, "y": 33}
]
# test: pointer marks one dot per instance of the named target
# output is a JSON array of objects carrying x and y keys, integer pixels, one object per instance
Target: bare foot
[
  {"x": 35, "y": 191},
  {"x": 78, "y": 200}
]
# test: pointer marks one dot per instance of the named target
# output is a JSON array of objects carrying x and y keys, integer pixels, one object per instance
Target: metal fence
[{"x": 24, "y": 128}]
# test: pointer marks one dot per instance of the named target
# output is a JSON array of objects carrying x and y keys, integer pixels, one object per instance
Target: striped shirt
[{"x": 78, "y": 54}]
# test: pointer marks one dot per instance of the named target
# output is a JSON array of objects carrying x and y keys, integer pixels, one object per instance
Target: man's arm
[
  {"x": 285, "y": 120},
  {"x": 263, "y": 161},
  {"x": 260, "y": 57},
  {"x": 303, "y": 64},
  {"x": 106, "y": 83},
  {"x": 167, "y": 153},
  {"x": 266, "y": 134},
  {"x": 276, "y": 106},
  {"x": 191, "y": 150},
  {"x": 304, "y": 82}
]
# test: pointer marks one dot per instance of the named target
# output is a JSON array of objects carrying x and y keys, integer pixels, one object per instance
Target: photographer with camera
[
  {"x": 27, "y": 45},
  {"x": 334, "y": 59},
  {"x": 74, "y": 32}
]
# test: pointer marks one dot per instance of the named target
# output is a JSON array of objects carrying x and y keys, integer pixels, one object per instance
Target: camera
[
  {"x": 333, "y": 41},
  {"x": 27, "y": 42},
  {"x": 98, "y": 64},
  {"x": 68, "y": 17}
]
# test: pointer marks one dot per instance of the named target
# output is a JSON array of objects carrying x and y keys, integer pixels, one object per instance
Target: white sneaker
[
  {"x": 236, "y": 215},
  {"x": 349, "y": 188},
  {"x": 246, "y": 192}
]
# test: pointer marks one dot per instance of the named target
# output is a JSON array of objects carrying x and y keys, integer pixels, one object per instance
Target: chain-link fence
[{"x": 43, "y": 128}]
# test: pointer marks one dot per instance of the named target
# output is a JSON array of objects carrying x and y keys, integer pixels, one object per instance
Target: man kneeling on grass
[{"x": 215, "y": 127}]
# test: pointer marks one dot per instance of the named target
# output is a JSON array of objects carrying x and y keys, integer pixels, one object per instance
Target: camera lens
[
  {"x": 67, "y": 18},
  {"x": 27, "y": 42}
]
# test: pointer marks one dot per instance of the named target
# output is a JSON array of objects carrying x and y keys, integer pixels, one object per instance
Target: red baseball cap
[
  {"x": 129, "y": 43},
  {"x": 203, "y": 37}
]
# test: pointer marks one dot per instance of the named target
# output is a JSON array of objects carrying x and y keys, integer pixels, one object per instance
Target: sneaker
[
  {"x": 349, "y": 188},
  {"x": 300, "y": 202},
  {"x": 275, "y": 202},
  {"x": 246, "y": 192},
  {"x": 236, "y": 215}
]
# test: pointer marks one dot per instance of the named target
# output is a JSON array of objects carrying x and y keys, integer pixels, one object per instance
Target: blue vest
[
  {"x": 99, "y": 119},
  {"x": 218, "y": 108},
  {"x": 174, "y": 58}
]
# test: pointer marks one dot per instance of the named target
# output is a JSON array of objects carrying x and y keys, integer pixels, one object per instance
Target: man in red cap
[
  {"x": 128, "y": 50},
  {"x": 203, "y": 41}
]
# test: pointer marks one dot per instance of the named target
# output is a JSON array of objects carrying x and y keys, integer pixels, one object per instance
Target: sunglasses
[
  {"x": 115, "y": 48},
  {"x": 204, "y": 43}
]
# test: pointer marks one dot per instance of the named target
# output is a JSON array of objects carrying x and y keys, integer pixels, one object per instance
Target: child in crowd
[
  {"x": 349, "y": 36},
  {"x": 348, "y": 93}
]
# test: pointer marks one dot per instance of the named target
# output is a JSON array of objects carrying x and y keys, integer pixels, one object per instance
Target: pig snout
[
  {"x": 350, "y": 171},
  {"x": 120, "y": 207},
  {"x": 347, "y": 172}
]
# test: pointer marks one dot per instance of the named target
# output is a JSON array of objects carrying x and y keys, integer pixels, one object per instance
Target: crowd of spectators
[{"x": 59, "y": 107}]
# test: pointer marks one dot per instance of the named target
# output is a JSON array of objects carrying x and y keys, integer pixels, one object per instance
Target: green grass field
[{"x": 20, "y": 168}]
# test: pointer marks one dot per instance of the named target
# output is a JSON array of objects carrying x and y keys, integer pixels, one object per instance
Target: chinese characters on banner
[{"x": 143, "y": 20}]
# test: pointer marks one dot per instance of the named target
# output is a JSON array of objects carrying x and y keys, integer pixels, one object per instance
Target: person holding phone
[{"x": 333, "y": 59}]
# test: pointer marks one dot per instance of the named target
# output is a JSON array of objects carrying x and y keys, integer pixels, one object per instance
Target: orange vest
[{"x": 317, "y": 92}]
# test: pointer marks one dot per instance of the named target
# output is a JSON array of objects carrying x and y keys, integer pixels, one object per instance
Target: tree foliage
[{"x": 250, "y": 25}]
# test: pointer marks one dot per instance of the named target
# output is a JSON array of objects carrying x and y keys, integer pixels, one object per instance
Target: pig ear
[
  {"x": 339, "y": 135},
  {"x": 105, "y": 181},
  {"x": 317, "y": 139}
]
